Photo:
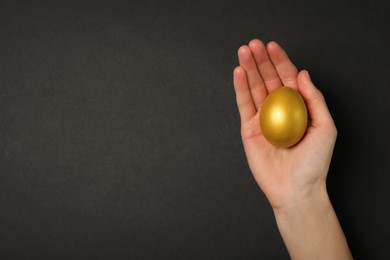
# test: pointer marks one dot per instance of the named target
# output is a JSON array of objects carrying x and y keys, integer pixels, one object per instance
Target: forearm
[{"x": 311, "y": 230}]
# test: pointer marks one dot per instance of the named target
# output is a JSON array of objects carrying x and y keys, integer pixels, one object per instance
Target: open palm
[{"x": 284, "y": 174}]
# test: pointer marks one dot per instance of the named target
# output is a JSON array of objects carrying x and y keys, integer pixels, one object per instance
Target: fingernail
[{"x": 308, "y": 75}]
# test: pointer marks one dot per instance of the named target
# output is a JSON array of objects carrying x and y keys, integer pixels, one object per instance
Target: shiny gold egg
[{"x": 283, "y": 117}]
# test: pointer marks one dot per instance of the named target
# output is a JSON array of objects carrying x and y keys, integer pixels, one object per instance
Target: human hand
[
  {"x": 293, "y": 179},
  {"x": 287, "y": 176}
]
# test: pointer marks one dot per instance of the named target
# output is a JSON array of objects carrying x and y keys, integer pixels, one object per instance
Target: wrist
[{"x": 314, "y": 198}]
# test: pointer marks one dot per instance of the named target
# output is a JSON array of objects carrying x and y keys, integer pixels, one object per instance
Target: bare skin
[{"x": 293, "y": 179}]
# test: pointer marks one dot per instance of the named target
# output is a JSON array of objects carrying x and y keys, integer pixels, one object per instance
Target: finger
[
  {"x": 318, "y": 111},
  {"x": 264, "y": 65},
  {"x": 243, "y": 95},
  {"x": 256, "y": 84},
  {"x": 286, "y": 69}
]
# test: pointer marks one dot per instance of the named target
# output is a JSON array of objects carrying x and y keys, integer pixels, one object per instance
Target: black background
[{"x": 119, "y": 133}]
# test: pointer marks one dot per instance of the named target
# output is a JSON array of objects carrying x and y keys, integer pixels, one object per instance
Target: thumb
[{"x": 318, "y": 111}]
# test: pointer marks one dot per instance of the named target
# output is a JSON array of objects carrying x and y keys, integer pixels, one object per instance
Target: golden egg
[{"x": 283, "y": 117}]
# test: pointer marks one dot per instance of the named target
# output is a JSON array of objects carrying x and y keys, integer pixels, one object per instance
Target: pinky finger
[{"x": 244, "y": 98}]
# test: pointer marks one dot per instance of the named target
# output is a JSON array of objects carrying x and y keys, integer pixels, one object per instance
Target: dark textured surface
[{"x": 119, "y": 134}]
